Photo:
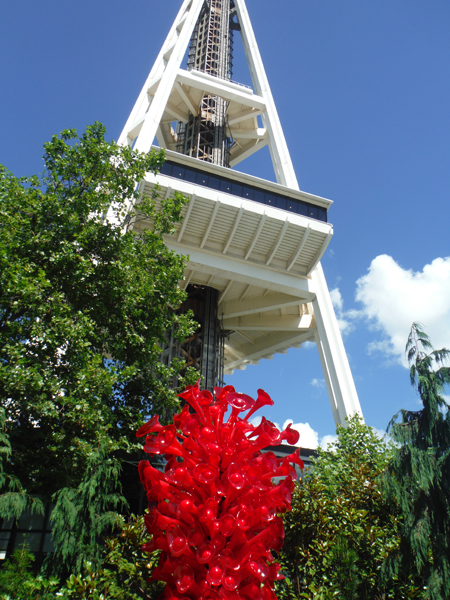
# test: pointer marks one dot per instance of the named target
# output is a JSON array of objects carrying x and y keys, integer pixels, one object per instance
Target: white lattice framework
[{"x": 264, "y": 260}]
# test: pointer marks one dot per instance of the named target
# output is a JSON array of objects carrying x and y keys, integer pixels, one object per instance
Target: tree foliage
[
  {"x": 121, "y": 574},
  {"x": 13, "y": 499},
  {"x": 18, "y": 582},
  {"x": 418, "y": 476},
  {"x": 85, "y": 304},
  {"x": 340, "y": 529},
  {"x": 84, "y": 513}
]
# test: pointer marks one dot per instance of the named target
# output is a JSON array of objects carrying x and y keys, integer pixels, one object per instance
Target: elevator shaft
[{"x": 205, "y": 137}]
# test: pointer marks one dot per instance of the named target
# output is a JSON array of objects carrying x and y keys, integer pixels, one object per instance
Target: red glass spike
[
  {"x": 216, "y": 570},
  {"x": 263, "y": 399},
  {"x": 176, "y": 539},
  {"x": 290, "y": 435},
  {"x": 184, "y": 578},
  {"x": 149, "y": 427}
]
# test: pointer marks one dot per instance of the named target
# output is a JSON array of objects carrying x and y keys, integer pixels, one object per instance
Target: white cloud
[
  {"x": 318, "y": 383},
  {"x": 336, "y": 299},
  {"x": 393, "y": 298},
  {"x": 328, "y": 442},
  {"x": 342, "y": 316}
]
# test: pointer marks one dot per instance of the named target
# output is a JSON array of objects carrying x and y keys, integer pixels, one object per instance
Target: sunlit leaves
[
  {"x": 340, "y": 529},
  {"x": 84, "y": 307}
]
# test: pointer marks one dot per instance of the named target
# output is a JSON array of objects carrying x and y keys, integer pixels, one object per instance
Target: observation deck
[{"x": 257, "y": 243}]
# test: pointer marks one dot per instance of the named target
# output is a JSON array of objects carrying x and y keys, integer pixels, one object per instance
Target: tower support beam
[
  {"x": 152, "y": 109},
  {"x": 281, "y": 159},
  {"x": 334, "y": 358}
]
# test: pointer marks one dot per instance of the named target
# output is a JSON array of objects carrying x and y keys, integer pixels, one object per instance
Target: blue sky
[{"x": 363, "y": 93}]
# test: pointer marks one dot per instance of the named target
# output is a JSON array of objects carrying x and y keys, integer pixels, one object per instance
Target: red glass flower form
[{"x": 213, "y": 512}]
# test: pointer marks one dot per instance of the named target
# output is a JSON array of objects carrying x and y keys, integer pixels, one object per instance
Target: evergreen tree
[
  {"x": 418, "y": 477},
  {"x": 84, "y": 514},
  {"x": 13, "y": 499}
]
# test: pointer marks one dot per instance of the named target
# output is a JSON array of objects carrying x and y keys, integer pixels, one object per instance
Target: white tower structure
[{"x": 254, "y": 246}]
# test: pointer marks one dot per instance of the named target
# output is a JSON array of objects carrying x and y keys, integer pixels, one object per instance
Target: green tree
[
  {"x": 418, "y": 477},
  {"x": 121, "y": 574},
  {"x": 85, "y": 303},
  {"x": 340, "y": 529},
  {"x": 84, "y": 513},
  {"x": 18, "y": 582},
  {"x": 13, "y": 498},
  {"x": 124, "y": 569}
]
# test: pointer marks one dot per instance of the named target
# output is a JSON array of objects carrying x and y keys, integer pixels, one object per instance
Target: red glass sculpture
[{"x": 213, "y": 512}]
